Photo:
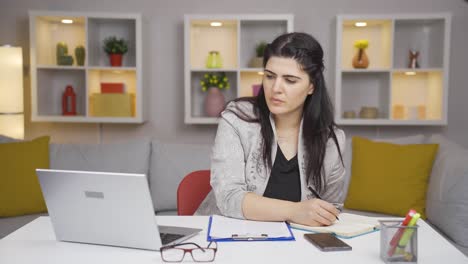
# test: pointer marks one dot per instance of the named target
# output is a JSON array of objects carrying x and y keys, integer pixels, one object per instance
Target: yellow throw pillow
[
  {"x": 20, "y": 192},
  {"x": 390, "y": 178}
]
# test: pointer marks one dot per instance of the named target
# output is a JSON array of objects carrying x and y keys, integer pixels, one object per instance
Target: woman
[{"x": 277, "y": 153}]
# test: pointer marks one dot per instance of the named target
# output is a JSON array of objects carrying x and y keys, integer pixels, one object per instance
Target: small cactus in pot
[
  {"x": 61, "y": 50},
  {"x": 80, "y": 55}
]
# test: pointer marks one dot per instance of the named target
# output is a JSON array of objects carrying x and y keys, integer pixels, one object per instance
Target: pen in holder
[{"x": 404, "y": 248}]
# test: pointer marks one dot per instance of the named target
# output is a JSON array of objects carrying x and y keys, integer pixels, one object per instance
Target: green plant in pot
[
  {"x": 115, "y": 48},
  {"x": 257, "y": 62}
]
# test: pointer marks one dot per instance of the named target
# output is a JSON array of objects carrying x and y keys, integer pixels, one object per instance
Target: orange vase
[{"x": 360, "y": 60}]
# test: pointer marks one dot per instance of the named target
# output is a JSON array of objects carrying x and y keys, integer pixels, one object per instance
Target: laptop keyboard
[{"x": 167, "y": 238}]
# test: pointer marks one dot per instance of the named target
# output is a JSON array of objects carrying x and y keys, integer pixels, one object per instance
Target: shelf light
[
  {"x": 67, "y": 21},
  {"x": 360, "y": 24},
  {"x": 260, "y": 73},
  {"x": 410, "y": 73},
  {"x": 216, "y": 24}
]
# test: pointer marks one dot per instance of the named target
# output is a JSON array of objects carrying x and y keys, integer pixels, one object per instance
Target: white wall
[{"x": 163, "y": 24}]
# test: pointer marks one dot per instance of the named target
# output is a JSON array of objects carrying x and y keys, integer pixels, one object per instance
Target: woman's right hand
[{"x": 314, "y": 212}]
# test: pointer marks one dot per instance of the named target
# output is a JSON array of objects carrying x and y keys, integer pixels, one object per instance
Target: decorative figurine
[
  {"x": 369, "y": 112},
  {"x": 398, "y": 111},
  {"x": 413, "y": 59},
  {"x": 349, "y": 114}
]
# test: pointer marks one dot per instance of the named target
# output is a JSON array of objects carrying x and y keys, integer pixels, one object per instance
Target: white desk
[{"x": 35, "y": 243}]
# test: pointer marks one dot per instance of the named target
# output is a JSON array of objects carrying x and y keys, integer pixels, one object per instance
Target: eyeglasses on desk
[{"x": 176, "y": 253}]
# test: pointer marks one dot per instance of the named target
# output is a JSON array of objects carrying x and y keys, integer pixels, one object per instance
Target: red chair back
[{"x": 192, "y": 190}]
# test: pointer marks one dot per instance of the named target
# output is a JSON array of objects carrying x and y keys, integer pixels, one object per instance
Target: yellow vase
[{"x": 214, "y": 60}]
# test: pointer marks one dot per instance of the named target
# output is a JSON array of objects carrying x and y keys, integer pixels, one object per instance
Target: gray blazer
[{"x": 237, "y": 166}]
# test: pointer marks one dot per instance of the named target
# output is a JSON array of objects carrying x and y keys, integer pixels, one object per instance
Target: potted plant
[
  {"x": 115, "y": 48},
  {"x": 213, "y": 83},
  {"x": 257, "y": 62}
]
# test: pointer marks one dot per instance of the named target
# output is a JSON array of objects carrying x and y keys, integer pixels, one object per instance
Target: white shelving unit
[
  {"x": 235, "y": 40},
  {"x": 402, "y": 95},
  {"x": 48, "y": 80}
]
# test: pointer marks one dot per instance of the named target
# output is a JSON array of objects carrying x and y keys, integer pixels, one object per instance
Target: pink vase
[
  {"x": 214, "y": 102},
  {"x": 256, "y": 89}
]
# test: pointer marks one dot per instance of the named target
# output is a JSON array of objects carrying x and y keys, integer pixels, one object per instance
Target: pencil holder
[{"x": 398, "y": 244}]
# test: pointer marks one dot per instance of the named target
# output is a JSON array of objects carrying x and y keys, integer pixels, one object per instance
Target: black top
[{"x": 284, "y": 182}]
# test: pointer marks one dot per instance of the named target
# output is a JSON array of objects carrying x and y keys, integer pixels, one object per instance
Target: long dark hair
[{"x": 318, "y": 115}]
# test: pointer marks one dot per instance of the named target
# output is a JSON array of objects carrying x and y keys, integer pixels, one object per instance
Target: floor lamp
[{"x": 11, "y": 92}]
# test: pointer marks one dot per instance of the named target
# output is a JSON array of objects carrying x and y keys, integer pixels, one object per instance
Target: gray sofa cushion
[
  {"x": 172, "y": 212},
  {"x": 131, "y": 157},
  {"x": 170, "y": 163},
  {"x": 348, "y": 155},
  {"x": 117, "y": 157},
  {"x": 447, "y": 195},
  {"x": 5, "y": 139}
]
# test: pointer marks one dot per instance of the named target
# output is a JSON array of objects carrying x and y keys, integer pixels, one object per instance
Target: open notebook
[{"x": 349, "y": 225}]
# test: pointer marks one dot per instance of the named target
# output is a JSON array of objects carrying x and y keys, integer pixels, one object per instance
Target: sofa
[
  {"x": 167, "y": 163},
  {"x": 446, "y": 196}
]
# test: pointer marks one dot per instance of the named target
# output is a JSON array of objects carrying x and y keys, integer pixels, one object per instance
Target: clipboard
[{"x": 248, "y": 237}]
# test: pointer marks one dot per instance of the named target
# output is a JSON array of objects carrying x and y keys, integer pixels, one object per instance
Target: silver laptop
[{"x": 105, "y": 208}]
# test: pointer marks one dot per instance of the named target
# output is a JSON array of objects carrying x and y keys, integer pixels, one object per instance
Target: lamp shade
[
  {"x": 11, "y": 92},
  {"x": 12, "y": 126}
]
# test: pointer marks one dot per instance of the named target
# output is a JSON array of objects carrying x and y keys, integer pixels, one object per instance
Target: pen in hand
[{"x": 337, "y": 205}]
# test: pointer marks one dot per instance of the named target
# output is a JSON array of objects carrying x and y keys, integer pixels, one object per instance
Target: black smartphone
[{"x": 327, "y": 242}]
